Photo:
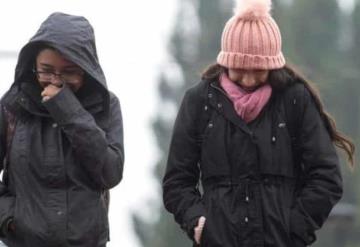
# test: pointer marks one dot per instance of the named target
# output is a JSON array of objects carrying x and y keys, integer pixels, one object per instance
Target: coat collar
[{"x": 219, "y": 100}]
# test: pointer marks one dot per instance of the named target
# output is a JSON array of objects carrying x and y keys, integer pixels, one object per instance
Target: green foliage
[
  {"x": 315, "y": 26},
  {"x": 356, "y": 31}
]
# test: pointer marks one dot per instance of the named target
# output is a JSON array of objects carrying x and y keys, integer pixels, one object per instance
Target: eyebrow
[{"x": 66, "y": 67}]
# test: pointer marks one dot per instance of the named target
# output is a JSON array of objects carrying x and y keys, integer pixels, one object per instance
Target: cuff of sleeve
[
  {"x": 300, "y": 227},
  {"x": 5, "y": 230},
  {"x": 63, "y": 105},
  {"x": 297, "y": 241}
]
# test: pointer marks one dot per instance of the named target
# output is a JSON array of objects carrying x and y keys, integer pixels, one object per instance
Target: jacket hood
[{"x": 73, "y": 36}]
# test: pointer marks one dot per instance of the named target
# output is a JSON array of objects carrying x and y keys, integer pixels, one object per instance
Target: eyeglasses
[{"x": 72, "y": 75}]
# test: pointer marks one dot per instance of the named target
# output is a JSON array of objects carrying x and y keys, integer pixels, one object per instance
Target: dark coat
[
  {"x": 253, "y": 195},
  {"x": 65, "y": 152}
]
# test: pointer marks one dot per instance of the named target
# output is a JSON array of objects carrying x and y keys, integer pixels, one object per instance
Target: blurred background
[{"x": 151, "y": 51}]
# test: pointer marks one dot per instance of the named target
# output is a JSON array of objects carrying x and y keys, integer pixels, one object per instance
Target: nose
[
  {"x": 248, "y": 80},
  {"x": 56, "y": 80}
]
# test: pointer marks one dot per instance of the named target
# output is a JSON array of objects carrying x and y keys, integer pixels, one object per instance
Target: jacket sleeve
[
  {"x": 180, "y": 192},
  {"x": 7, "y": 200},
  {"x": 100, "y": 153},
  {"x": 322, "y": 187}
]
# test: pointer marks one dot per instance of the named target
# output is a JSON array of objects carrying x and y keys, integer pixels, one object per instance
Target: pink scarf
[{"x": 248, "y": 105}]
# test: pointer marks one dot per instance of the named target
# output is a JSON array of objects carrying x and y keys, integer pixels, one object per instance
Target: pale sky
[{"x": 131, "y": 41}]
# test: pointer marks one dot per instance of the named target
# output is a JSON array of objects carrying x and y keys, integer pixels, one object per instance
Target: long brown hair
[{"x": 280, "y": 79}]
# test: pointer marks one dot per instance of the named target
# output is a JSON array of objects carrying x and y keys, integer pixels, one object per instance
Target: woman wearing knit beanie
[{"x": 255, "y": 134}]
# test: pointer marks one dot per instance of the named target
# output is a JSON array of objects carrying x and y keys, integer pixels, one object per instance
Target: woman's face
[
  {"x": 249, "y": 80},
  {"x": 53, "y": 68}
]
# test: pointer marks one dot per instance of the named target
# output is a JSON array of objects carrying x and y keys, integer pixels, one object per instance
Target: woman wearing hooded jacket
[
  {"x": 255, "y": 134},
  {"x": 61, "y": 141}
]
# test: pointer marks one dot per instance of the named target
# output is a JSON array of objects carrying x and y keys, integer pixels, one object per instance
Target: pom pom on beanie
[{"x": 252, "y": 8}]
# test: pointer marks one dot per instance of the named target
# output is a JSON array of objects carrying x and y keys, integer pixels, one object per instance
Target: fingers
[
  {"x": 45, "y": 98},
  {"x": 49, "y": 91},
  {"x": 199, "y": 229}
]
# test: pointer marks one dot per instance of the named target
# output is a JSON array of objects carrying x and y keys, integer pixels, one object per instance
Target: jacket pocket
[
  {"x": 203, "y": 240},
  {"x": 209, "y": 236},
  {"x": 29, "y": 227},
  {"x": 300, "y": 227},
  {"x": 215, "y": 232}
]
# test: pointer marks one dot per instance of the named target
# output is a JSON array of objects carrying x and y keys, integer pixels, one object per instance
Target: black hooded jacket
[
  {"x": 260, "y": 190},
  {"x": 65, "y": 152}
]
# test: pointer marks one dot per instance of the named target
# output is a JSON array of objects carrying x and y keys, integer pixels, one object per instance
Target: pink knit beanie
[{"x": 251, "y": 38}]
